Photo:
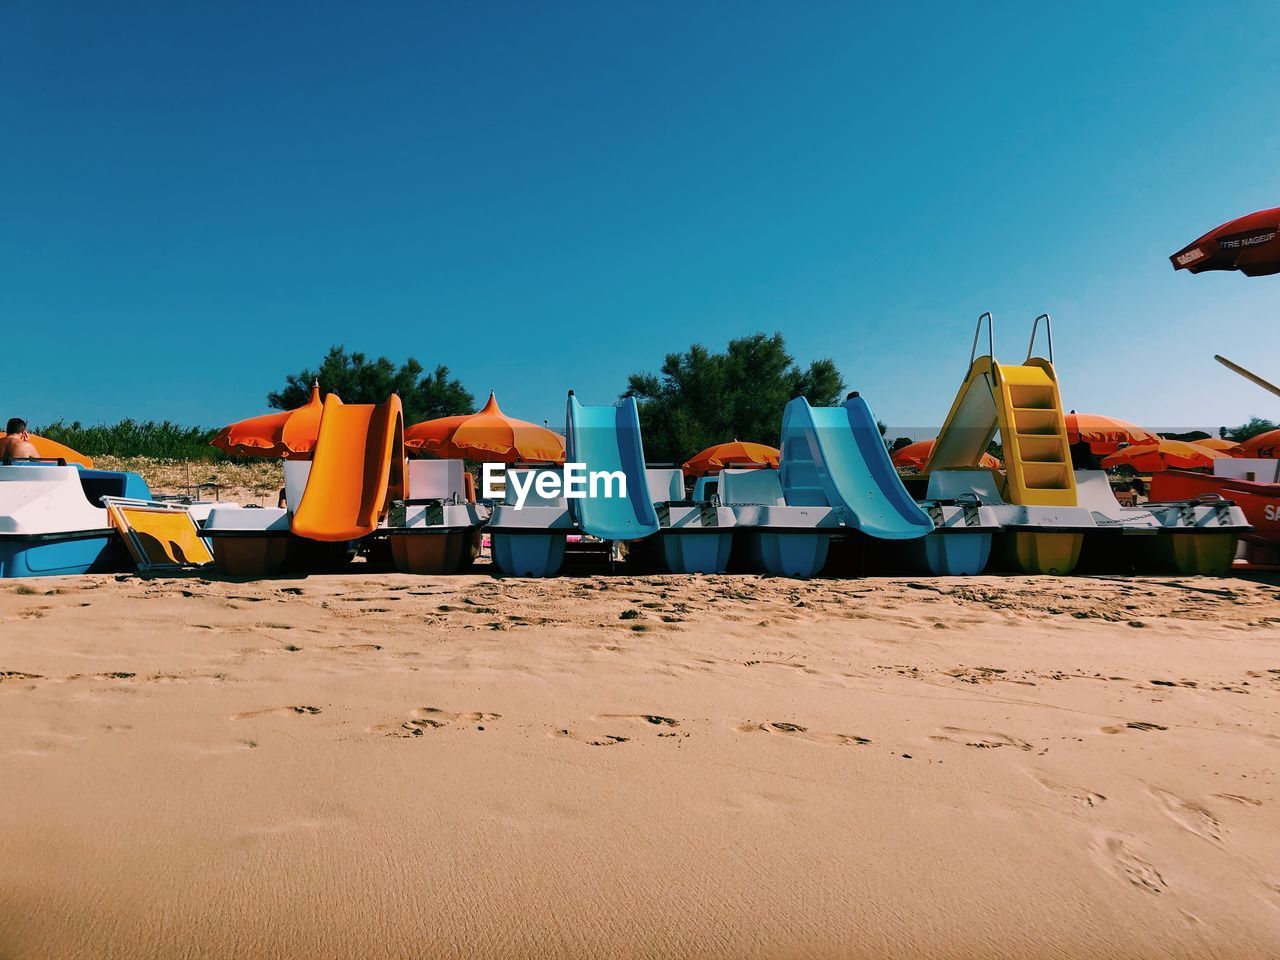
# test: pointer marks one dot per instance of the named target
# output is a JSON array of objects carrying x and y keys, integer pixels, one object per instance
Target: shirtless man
[{"x": 16, "y": 444}]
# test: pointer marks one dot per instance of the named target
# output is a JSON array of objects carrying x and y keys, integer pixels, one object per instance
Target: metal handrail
[
  {"x": 1035, "y": 327},
  {"x": 991, "y": 338}
]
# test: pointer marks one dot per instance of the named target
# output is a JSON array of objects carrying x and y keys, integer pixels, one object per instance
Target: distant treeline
[
  {"x": 697, "y": 398},
  {"x": 130, "y": 438}
]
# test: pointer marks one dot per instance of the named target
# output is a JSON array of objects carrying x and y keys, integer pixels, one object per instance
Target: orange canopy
[
  {"x": 53, "y": 450},
  {"x": 286, "y": 435},
  {"x": 1163, "y": 455},
  {"x": 1104, "y": 434},
  {"x": 917, "y": 455},
  {"x": 736, "y": 453},
  {"x": 489, "y": 435},
  {"x": 1265, "y": 445},
  {"x": 1228, "y": 447}
]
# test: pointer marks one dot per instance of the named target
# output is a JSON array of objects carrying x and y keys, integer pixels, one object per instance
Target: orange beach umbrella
[
  {"x": 53, "y": 450},
  {"x": 286, "y": 435},
  {"x": 917, "y": 455},
  {"x": 1229, "y": 447},
  {"x": 1265, "y": 446},
  {"x": 1163, "y": 455},
  {"x": 736, "y": 453},
  {"x": 489, "y": 435},
  {"x": 1104, "y": 434}
]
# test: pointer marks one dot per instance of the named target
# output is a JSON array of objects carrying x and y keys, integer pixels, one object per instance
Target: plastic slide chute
[
  {"x": 356, "y": 471},
  {"x": 606, "y": 440},
  {"x": 1023, "y": 403},
  {"x": 835, "y": 456}
]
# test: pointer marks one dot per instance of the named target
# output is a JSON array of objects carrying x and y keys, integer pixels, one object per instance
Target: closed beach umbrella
[
  {"x": 1163, "y": 455},
  {"x": 488, "y": 436},
  {"x": 53, "y": 450},
  {"x": 1104, "y": 434},
  {"x": 1264, "y": 445},
  {"x": 1229, "y": 447},
  {"x": 735, "y": 453},
  {"x": 1250, "y": 244},
  {"x": 286, "y": 435},
  {"x": 917, "y": 455}
]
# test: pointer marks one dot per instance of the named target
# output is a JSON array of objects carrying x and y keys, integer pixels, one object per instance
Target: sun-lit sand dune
[{"x": 643, "y": 767}]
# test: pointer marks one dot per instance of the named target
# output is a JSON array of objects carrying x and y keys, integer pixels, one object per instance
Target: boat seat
[
  {"x": 296, "y": 473},
  {"x": 97, "y": 484},
  {"x": 704, "y": 488},
  {"x": 665, "y": 485},
  {"x": 437, "y": 480},
  {"x": 977, "y": 481},
  {"x": 538, "y": 512},
  {"x": 761, "y": 487}
]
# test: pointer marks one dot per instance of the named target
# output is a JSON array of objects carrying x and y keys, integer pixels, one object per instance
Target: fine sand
[{"x": 726, "y": 767}]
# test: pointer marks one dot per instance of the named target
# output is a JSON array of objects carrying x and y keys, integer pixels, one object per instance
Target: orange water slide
[{"x": 356, "y": 471}]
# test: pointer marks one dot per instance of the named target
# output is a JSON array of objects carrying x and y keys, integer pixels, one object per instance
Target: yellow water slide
[
  {"x": 356, "y": 471},
  {"x": 1023, "y": 403}
]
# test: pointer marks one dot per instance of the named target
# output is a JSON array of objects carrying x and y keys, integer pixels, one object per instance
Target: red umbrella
[
  {"x": 917, "y": 455},
  {"x": 287, "y": 434},
  {"x": 1250, "y": 244}
]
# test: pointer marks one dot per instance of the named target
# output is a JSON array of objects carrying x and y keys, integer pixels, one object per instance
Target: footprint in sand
[
  {"x": 795, "y": 731},
  {"x": 603, "y": 740},
  {"x": 1141, "y": 725},
  {"x": 1086, "y": 798},
  {"x": 1121, "y": 860},
  {"x": 1191, "y": 816},
  {"x": 1239, "y": 798},
  {"x": 433, "y": 718},
  {"x": 277, "y": 712},
  {"x": 983, "y": 739},
  {"x": 667, "y": 727},
  {"x": 17, "y": 675}
]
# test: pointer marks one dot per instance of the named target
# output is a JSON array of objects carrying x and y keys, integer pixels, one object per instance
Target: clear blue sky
[{"x": 201, "y": 197}]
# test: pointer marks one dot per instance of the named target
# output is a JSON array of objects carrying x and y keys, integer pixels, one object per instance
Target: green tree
[
  {"x": 1246, "y": 431},
  {"x": 700, "y": 398},
  {"x": 357, "y": 379}
]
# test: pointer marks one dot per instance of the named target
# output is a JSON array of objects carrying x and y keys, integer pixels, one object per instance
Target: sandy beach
[{"x": 639, "y": 767}]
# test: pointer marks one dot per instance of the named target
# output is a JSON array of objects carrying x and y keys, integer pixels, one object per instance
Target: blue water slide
[
  {"x": 607, "y": 439},
  {"x": 835, "y": 456}
]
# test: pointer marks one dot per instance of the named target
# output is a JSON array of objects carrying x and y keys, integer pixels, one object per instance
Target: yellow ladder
[{"x": 1022, "y": 402}]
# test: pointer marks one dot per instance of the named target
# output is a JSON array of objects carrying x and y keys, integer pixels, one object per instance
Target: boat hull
[
  {"x": 528, "y": 554},
  {"x": 704, "y": 551},
  {"x": 1040, "y": 552},
  {"x": 1260, "y": 502},
  {"x": 439, "y": 551},
  {"x": 65, "y": 554}
]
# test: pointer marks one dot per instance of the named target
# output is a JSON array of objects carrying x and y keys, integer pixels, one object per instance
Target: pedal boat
[
  {"x": 436, "y": 530},
  {"x": 789, "y": 541},
  {"x": 52, "y": 522},
  {"x": 529, "y": 541}
]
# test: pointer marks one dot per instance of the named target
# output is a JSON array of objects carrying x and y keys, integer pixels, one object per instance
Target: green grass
[{"x": 130, "y": 438}]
